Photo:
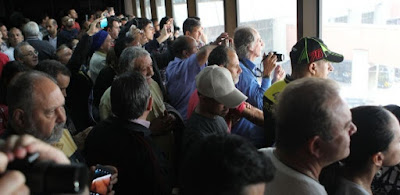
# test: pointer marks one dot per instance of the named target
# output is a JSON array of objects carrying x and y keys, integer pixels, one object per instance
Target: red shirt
[
  {"x": 3, "y": 61},
  {"x": 233, "y": 113},
  {"x": 77, "y": 26}
]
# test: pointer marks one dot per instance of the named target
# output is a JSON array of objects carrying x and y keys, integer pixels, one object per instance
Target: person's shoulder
[
  {"x": 347, "y": 187},
  {"x": 3, "y": 56},
  {"x": 272, "y": 92},
  {"x": 267, "y": 151}
]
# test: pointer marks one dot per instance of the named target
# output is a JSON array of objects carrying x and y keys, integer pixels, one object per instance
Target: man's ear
[
  {"x": 187, "y": 33},
  {"x": 19, "y": 59},
  {"x": 185, "y": 53},
  {"x": 378, "y": 158},
  {"x": 312, "y": 68},
  {"x": 18, "y": 118},
  {"x": 250, "y": 48},
  {"x": 314, "y": 146}
]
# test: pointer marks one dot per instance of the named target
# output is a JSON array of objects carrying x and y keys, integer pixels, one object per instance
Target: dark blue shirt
[{"x": 181, "y": 81}]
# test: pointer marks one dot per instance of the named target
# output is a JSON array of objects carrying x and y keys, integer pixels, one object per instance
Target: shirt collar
[
  {"x": 101, "y": 53},
  {"x": 249, "y": 63},
  {"x": 142, "y": 122}
]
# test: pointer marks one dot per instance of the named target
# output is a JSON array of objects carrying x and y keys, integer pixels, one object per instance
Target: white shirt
[
  {"x": 53, "y": 41},
  {"x": 347, "y": 187},
  {"x": 10, "y": 53},
  {"x": 288, "y": 181}
]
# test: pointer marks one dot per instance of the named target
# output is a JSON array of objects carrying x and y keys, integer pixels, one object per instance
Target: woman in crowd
[{"x": 376, "y": 144}]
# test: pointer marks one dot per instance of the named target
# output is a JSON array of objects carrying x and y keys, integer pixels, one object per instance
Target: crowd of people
[{"x": 178, "y": 114}]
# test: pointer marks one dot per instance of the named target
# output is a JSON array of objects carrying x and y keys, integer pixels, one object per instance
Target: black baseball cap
[{"x": 311, "y": 49}]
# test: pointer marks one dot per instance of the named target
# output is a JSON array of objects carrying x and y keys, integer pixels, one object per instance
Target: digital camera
[
  {"x": 47, "y": 177},
  {"x": 280, "y": 57}
]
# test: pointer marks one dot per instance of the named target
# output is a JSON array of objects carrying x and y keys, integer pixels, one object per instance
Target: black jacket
[{"x": 128, "y": 146}]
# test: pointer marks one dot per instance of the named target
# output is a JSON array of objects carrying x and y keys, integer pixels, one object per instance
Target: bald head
[
  {"x": 51, "y": 26},
  {"x": 36, "y": 106},
  {"x": 184, "y": 46}
]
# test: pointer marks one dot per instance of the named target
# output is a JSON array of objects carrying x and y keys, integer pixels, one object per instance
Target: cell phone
[
  {"x": 103, "y": 23},
  {"x": 101, "y": 180}
]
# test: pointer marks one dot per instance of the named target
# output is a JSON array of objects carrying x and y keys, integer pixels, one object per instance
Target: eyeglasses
[{"x": 32, "y": 53}]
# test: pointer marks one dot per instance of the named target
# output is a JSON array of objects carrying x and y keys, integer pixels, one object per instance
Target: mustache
[{"x": 56, "y": 134}]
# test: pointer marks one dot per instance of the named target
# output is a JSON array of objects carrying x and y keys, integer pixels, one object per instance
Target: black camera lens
[
  {"x": 280, "y": 57},
  {"x": 48, "y": 177}
]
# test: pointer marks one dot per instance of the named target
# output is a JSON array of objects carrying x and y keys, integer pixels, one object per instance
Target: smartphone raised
[
  {"x": 101, "y": 180},
  {"x": 103, "y": 23}
]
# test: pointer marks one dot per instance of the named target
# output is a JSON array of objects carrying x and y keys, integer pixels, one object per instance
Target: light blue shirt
[
  {"x": 53, "y": 42},
  {"x": 181, "y": 81},
  {"x": 249, "y": 86}
]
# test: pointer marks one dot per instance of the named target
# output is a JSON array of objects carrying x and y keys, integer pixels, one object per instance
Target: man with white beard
[{"x": 36, "y": 107}]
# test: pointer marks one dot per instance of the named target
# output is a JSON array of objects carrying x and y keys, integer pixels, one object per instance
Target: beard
[
  {"x": 236, "y": 80},
  {"x": 54, "y": 137}
]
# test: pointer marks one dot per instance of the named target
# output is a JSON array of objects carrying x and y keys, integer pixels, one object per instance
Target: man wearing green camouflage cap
[{"x": 309, "y": 57}]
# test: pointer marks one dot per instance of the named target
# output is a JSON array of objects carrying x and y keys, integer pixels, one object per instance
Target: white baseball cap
[{"x": 217, "y": 83}]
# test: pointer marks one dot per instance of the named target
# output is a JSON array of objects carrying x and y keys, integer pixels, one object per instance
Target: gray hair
[
  {"x": 305, "y": 109},
  {"x": 244, "y": 37},
  {"x": 31, "y": 29},
  {"x": 20, "y": 92},
  {"x": 17, "y": 50},
  {"x": 128, "y": 57},
  {"x": 132, "y": 32}
]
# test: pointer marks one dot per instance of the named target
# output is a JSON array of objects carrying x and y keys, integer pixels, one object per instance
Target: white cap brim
[{"x": 233, "y": 99}]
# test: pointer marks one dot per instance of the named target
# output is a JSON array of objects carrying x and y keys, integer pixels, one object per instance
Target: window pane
[
  {"x": 160, "y": 9},
  {"x": 139, "y": 13},
  {"x": 366, "y": 32},
  {"x": 180, "y": 12},
  {"x": 211, "y": 13},
  {"x": 148, "y": 9},
  {"x": 276, "y": 23}
]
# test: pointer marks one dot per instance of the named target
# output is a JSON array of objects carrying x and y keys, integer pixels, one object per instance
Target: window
[
  {"x": 211, "y": 13},
  {"x": 180, "y": 12},
  {"x": 160, "y": 9},
  {"x": 148, "y": 9},
  {"x": 276, "y": 21},
  {"x": 395, "y": 21},
  {"x": 370, "y": 72},
  {"x": 139, "y": 13},
  {"x": 367, "y": 18},
  {"x": 342, "y": 19}
]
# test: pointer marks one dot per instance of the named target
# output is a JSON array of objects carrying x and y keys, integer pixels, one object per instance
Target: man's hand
[
  {"x": 20, "y": 146},
  {"x": 221, "y": 39},
  {"x": 279, "y": 74},
  {"x": 94, "y": 27},
  {"x": 104, "y": 185},
  {"x": 269, "y": 63},
  {"x": 12, "y": 182},
  {"x": 167, "y": 31},
  {"x": 162, "y": 124}
]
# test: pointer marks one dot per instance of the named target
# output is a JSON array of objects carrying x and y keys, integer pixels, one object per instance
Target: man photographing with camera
[
  {"x": 19, "y": 147},
  {"x": 36, "y": 107},
  {"x": 248, "y": 45}
]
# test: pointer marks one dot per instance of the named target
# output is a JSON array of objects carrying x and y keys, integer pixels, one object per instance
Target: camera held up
[
  {"x": 47, "y": 177},
  {"x": 280, "y": 57}
]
